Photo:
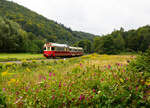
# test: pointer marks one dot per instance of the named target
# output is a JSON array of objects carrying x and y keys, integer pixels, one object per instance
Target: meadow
[
  {"x": 92, "y": 81},
  {"x": 20, "y": 56}
]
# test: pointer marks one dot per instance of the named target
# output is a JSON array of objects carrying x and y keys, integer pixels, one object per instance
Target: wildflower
[
  {"x": 53, "y": 74},
  {"x": 102, "y": 79},
  {"x": 127, "y": 79},
  {"x": 53, "y": 90},
  {"x": 28, "y": 70},
  {"x": 18, "y": 100},
  {"x": 4, "y": 73},
  {"x": 12, "y": 81},
  {"x": 109, "y": 66},
  {"x": 64, "y": 84},
  {"x": 147, "y": 83},
  {"x": 87, "y": 98},
  {"x": 80, "y": 64},
  {"x": 17, "y": 93},
  {"x": 60, "y": 85},
  {"x": 73, "y": 99},
  {"x": 121, "y": 80},
  {"x": 50, "y": 74},
  {"x": 44, "y": 78},
  {"x": 99, "y": 92},
  {"x": 118, "y": 64},
  {"x": 82, "y": 97},
  {"x": 4, "y": 89},
  {"x": 136, "y": 88},
  {"x": 130, "y": 88},
  {"x": 70, "y": 90},
  {"x": 94, "y": 90},
  {"x": 91, "y": 97},
  {"x": 53, "y": 97}
]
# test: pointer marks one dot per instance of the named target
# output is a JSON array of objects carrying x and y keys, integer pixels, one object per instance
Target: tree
[{"x": 119, "y": 43}]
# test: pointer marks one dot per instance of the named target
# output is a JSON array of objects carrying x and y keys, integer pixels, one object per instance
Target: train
[{"x": 53, "y": 50}]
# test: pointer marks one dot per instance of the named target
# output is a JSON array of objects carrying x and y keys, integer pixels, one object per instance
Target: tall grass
[{"x": 87, "y": 81}]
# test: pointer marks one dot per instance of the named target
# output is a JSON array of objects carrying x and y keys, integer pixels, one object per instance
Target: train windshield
[
  {"x": 44, "y": 48},
  {"x": 53, "y": 48},
  {"x": 48, "y": 48}
]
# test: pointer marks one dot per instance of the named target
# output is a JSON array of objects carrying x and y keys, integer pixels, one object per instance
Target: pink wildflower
[
  {"x": 73, "y": 99},
  {"x": 109, "y": 66},
  {"x": 80, "y": 64},
  {"x": 53, "y": 74},
  {"x": 4, "y": 89},
  {"x": 136, "y": 88},
  {"x": 60, "y": 85},
  {"x": 53, "y": 97},
  {"x": 82, "y": 97},
  {"x": 70, "y": 90},
  {"x": 50, "y": 74},
  {"x": 64, "y": 84},
  {"x": 102, "y": 79},
  {"x": 94, "y": 90},
  {"x": 87, "y": 98},
  {"x": 44, "y": 78}
]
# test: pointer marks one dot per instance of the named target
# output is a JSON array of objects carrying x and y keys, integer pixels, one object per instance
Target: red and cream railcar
[{"x": 52, "y": 50}]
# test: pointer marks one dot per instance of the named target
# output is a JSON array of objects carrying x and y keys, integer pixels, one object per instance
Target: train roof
[
  {"x": 59, "y": 45},
  {"x": 56, "y": 44},
  {"x": 75, "y": 47}
]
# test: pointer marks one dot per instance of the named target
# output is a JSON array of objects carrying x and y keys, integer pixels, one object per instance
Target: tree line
[
  {"x": 119, "y": 41},
  {"x": 14, "y": 39},
  {"x": 22, "y": 30}
]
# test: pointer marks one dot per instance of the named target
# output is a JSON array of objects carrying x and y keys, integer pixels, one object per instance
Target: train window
[
  {"x": 48, "y": 48},
  {"x": 53, "y": 48},
  {"x": 44, "y": 48}
]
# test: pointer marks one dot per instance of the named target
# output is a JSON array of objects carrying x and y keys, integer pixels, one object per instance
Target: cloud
[{"x": 94, "y": 16}]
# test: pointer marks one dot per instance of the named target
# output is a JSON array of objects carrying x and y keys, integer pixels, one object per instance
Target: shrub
[
  {"x": 1, "y": 66},
  {"x": 141, "y": 63},
  {"x": 24, "y": 63},
  {"x": 2, "y": 100}
]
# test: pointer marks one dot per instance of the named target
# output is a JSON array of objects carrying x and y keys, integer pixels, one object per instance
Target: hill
[{"x": 40, "y": 26}]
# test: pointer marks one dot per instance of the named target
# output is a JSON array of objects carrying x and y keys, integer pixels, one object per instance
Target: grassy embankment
[
  {"x": 92, "y": 80},
  {"x": 20, "y": 56}
]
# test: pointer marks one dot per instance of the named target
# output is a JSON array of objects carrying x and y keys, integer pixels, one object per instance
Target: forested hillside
[
  {"x": 39, "y": 27},
  {"x": 123, "y": 41},
  {"x": 22, "y": 30}
]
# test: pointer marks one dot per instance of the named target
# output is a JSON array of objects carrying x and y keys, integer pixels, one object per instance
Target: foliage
[
  {"x": 33, "y": 31},
  {"x": 86, "y": 45},
  {"x": 14, "y": 39},
  {"x": 123, "y": 41},
  {"x": 89, "y": 81},
  {"x": 2, "y": 99},
  {"x": 142, "y": 63}
]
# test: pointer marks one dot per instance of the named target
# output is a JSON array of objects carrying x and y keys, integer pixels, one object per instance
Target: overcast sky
[{"x": 93, "y": 16}]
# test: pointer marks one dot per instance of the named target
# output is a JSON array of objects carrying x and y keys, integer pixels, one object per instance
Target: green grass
[
  {"x": 19, "y": 56},
  {"x": 87, "y": 81}
]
